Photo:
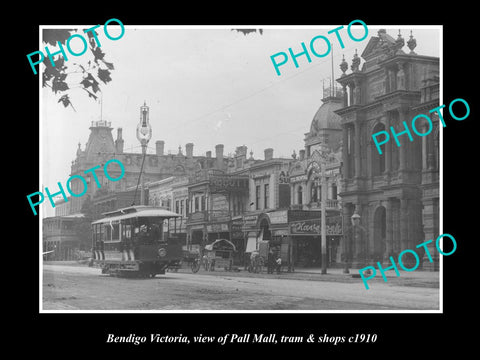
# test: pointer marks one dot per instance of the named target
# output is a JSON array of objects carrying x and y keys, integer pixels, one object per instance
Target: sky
[{"x": 205, "y": 84}]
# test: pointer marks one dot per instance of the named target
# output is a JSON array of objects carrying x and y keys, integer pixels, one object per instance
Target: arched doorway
[{"x": 379, "y": 233}]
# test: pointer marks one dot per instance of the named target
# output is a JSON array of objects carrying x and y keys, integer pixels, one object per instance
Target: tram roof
[{"x": 136, "y": 211}]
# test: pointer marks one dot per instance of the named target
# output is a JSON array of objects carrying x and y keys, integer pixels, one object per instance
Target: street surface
[{"x": 78, "y": 287}]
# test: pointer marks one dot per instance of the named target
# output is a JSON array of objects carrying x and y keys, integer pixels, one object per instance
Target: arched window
[
  {"x": 314, "y": 193},
  {"x": 300, "y": 195},
  {"x": 378, "y": 161}
]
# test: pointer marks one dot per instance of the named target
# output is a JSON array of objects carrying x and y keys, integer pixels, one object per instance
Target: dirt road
[{"x": 84, "y": 288}]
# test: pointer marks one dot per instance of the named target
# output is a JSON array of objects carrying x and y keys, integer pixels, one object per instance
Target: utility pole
[{"x": 323, "y": 225}]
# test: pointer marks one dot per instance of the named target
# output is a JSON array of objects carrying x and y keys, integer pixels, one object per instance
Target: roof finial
[
  {"x": 412, "y": 43},
  {"x": 399, "y": 42},
  {"x": 355, "y": 62},
  {"x": 343, "y": 65}
]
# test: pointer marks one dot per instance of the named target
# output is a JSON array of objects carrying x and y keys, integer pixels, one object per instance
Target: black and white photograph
[
  {"x": 238, "y": 170},
  {"x": 248, "y": 183}
]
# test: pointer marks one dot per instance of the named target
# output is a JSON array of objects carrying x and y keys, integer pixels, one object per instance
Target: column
[
  {"x": 345, "y": 239},
  {"x": 424, "y": 149},
  {"x": 357, "y": 149},
  {"x": 304, "y": 192},
  {"x": 403, "y": 224},
  {"x": 308, "y": 191},
  {"x": 345, "y": 96},
  {"x": 403, "y": 148},
  {"x": 388, "y": 146},
  {"x": 389, "y": 220},
  {"x": 345, "y": 152},
  {"x": 251, "y": 194},
  {"x": 292, "y": 194},
  {"x": 273, "y": 185}
]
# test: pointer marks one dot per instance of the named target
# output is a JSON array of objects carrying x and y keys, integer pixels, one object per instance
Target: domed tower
[{"x": 326, "y": 129}]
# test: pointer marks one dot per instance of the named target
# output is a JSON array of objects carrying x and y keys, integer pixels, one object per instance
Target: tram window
[
  {"x": 116, "y": 232},
  {"x": 126, "y": 231},
  {"x": 107, "y": 234}
]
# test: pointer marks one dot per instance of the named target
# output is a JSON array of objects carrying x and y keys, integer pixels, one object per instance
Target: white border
[{"x": 287, "y": 27}]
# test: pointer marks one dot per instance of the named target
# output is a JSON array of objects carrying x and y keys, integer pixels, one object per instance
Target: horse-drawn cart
[{"x": 218, "y": 254}]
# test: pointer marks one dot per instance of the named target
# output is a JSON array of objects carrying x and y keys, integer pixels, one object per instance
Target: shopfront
[
  {"x": 295, "y": 235},
  {"x": 306, "y": 239}
]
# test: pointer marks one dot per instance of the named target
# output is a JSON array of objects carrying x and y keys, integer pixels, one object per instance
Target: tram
[{"x": 132, "y": 242}]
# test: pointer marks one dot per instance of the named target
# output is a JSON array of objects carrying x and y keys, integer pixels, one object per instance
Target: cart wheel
[{"x": 195, "y": 266}]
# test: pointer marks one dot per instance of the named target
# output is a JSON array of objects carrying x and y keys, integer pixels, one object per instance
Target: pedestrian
[
  {"x": 279, "y": 263},
  {"x": 270, "y": 261}
]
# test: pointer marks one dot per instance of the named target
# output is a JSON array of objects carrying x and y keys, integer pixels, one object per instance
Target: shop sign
[
  {"x": 250, "y": 221},
  {"x": 278, "y": 217},
  {"x": 219, "y": 215},
  {"x": 228, "y": 183},
  {"x": 313, "y": 226},
  {"x": 298, "y": 178},
  {"x": 282, "y": 232},
  {"x": 217, "y": 228},
  {"x": 237, "y": 225},
  {"x": 197, "y": 216},
  {"x": 298, "y": 215}
]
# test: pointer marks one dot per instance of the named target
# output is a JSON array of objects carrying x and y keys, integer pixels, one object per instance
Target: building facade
[
  {"x": 314, "y": 174},
  {"x": 60, "y": 241},
  {"x": 395, "y": 193}
]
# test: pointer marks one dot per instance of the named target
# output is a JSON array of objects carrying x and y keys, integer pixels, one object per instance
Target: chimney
[
  {"x": 209, "y": 154},
  {"x": 302, "y": 154},
  {"x": 160, "y": 146},
  {"x": 119, "y": 142},
  {"x": 268, "y": 154},
  {"x": 189, "y": 150},
  {"x": 219, "y": 156}
]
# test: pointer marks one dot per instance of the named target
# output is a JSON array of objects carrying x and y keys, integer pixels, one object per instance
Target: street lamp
[{"x": 144, "y": 134}]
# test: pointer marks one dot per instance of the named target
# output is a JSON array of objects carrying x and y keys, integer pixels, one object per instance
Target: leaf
[
  {"x": 86, "y": 83},
  {"x": 65, "y": 100},
  {"x": 52, "y": 36},
  {"x": 46, "y": 76},
  {"x": 95, "y": 86},
  {"x": 98, "y": 54},
  {"x": 59, "y": 86},
  {"x": 90, "y": 81},
  {"x": 246, "y": 31},
  {"x": 109, "y": 65},
  {"x": 90, "y": 94},
  {"x": 104, "y": 75}
]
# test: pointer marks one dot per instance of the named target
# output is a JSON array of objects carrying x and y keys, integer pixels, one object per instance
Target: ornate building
[
  {"x": 320, "y": 157},
  {"x": 395, "y": 193},
  {"x": 101, "y": 147}
]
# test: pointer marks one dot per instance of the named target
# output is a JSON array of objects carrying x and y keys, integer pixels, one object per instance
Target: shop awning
[{"x": 251, "y": 244}]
